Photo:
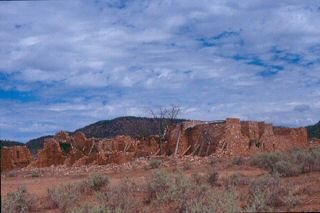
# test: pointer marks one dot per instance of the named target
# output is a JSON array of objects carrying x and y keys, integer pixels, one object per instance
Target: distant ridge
[
  {"x": 10, "y": 143},
  {"x": 128, "y": 125},
  {"x": 35, "y": 144},
  {"x": 314, "y": 130}
]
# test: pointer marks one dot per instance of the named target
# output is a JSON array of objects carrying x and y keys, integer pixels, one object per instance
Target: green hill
[{"x": 314, "y": 130}]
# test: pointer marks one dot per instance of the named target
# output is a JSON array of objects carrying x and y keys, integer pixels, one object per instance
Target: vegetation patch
[
  {"x": 155, "y": 163},
  {"x": 289, "y": 163},
  {"x": 19, "y": 201}
]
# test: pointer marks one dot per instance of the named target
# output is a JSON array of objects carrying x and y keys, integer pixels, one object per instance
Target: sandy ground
[{"x": 306, "y": 186}]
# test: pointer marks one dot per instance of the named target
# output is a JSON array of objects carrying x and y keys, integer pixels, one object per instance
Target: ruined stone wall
[
  {"x": 233, "y": 142},
  {"x": 121, "y": 143},
  {"x": 180, "y": 134},
  {"x": 251, "y": 129},
  {"x": 148, "y": 146},
  {"x": 235, "y": 138},
  {"x": 15, "y": 157},
  {"x": 205, "y": 139},
  {"x": 51, "y": 154},
  {"x": 290, "y": 138},
  {"x": 6, "y": 161}
]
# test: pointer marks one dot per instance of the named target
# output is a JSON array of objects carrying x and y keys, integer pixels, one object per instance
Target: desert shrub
[
  {"x": 236, "y": 180},
  {"x": 268, "y": 192},
  {"x": 286, "y": 169},
  {"x": 266, "y": 160},
  {"x": 96, "y": 181},
  {"x": 12, "y": 174},
  {"x": 165, "y": 188},
  {"x": 155, "y": 163},
  {"x": 186, "y": 166},
  {"x": 215, "y": 201},
  {"x": 213, "y": 178},
  {"x": 120, "y": 198},
  {"x": 185, "y": 195},
  {"x": 289, "y": 163},
  {"x": 35, "y": 174},
  {"x": 198, "y": 178},
  {"x": 65, "y": 196},
  {"x": 87, "y": 208},
  {"x": 19, "y": 201},
  {"x": 160, "y": 186},
  {"x": 238, "y": 160}
]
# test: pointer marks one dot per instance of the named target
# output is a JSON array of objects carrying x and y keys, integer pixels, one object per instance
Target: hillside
[
  {"x": 314, "y": 130},
  {"x": 131, "y": 126},
  {"x": 37, "y": 143},
  {"x": 10, "y": 143}
]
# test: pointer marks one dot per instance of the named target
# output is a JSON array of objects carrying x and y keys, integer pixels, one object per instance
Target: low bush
[
  {"x": 120, "y": 198},
  {"x": 155, "y": 163},
  {"x": 65, "y": 196},
  {"x": 35, "y": 174},
  {"x": 19, "y": 201},
  {"x": 12, "y": 174},
  {"x": 238, "y": 160},
  {"x": 159, "y": 187},
  {"x": 268, "y": 192},
  {"x": 97, "y": 181},
  {"x": 286, "y": 168},
  {"x": 87, "y": 208},
  {"x": 186, "y": 166},
  {"x": 289, "y": 163},
  {"x": 213, "y": 178},
  {"x": 236, "y": 180}
]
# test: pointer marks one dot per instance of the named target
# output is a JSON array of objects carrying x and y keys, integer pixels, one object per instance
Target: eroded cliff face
[{"x": 15, "y": 157}]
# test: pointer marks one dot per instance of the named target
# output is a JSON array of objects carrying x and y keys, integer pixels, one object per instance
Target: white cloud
[{"x": 84, "y": 61}]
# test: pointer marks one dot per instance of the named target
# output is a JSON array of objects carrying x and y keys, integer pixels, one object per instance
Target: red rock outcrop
[{"x": 15, "y": 157}]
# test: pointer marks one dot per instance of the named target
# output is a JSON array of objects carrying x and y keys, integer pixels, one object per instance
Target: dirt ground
[{"x": 37, "y": 181}]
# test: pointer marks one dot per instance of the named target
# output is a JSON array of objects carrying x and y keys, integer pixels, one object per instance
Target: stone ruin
[
  {"x": 77, "y": 150},
  {"x": 229, "y": 137},
  {"x": 15, "y": 157},
  {"x": 233, "y": 137}
]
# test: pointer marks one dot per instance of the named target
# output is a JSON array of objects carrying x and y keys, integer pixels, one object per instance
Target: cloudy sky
[{"x": 65, "y": 64}]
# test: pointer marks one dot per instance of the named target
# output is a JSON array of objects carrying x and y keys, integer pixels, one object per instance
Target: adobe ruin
[
  {"x": 15, "y": 157},
  {"x": 230, "y": 137},
  {"x": 233, "y": 137}
]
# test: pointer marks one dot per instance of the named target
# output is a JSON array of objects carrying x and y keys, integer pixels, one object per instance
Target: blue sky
[{"x": 65, "y": 64}]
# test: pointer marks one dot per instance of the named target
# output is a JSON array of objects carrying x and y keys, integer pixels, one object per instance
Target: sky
[{"x": 66, "y": 64}]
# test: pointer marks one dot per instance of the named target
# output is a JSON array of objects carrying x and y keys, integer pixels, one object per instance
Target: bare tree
[{"x": 165, "y": 117}]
